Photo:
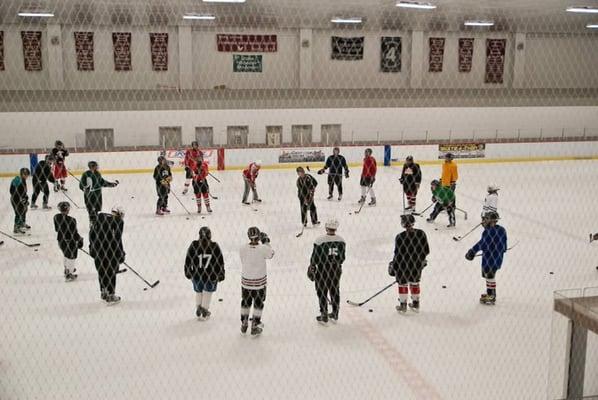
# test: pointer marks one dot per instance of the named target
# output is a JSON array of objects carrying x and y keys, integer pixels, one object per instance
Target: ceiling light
[
  {"x": 39, "y": 14},
  {"x": 414, "y": 4},
  {"x": 592, "y": 26},
  {"x": 204, "y": 17},
  {"x": 479, "y": 23},
  {"x": 582, "y": 9},
  {"x": 349, "y": 20},
  {"x": 224, "y": 1}
]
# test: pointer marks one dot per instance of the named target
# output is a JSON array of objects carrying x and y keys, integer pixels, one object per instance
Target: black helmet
[
  {"x": 205, "y": 234},
  {"x": 92, "y": 164},
  {"x": 24, "y": 171},
  {"x": 407, "y": 220},
  {"x": 194, "y": 143},
  {"x": 409, "y": 158},
  {"x": 58, "y": 143},
  {"x": 64, "y": 206},
  {"x": 160, "y": 159},
  {"x": 449, "y": 156},
  {"x": 491, "y": 216},
  {"x": 253, "y": 232},
  {"x": 435, "y": 182}
]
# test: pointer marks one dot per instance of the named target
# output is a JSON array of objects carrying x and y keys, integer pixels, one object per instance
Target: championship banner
[
  {"x": 436, "y": 57},
  {"x": 159, "y": 50},
  {"x": 121, "y": 42},
  {"x": 390, "y": 54},
  {"x": 1, "y": 50},
  {"x": 465, "y": 54},
  {"x": 32, "y": 50},
  {"x": 247, "y": 63},
  {"x": 247, "y": 43},
  {"x": 347, "y": 48},
  {"x": 176, "y": 158},
  {"x": 84, "y": 51},
  {"x": 300, "y": 156},
  {"x": 495, "y": 60},
  {"x": 462, "y": 150}
]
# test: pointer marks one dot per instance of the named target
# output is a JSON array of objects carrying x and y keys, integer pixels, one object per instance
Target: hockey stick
[
  {"x": 300, "y": 233},
  {"x": 20, "y": 241},
  {"x": 593, "y": 236},
  {"x": 403, "y": 191},
  {"x": 370, "y": 298},
  {"x": 212, "y": 196},
  {"x": 458, "y": 238},
  {"x": 419, "y": 214},
  {"x": 463, "y": 211},
  {"x": 508, "y": 248},
  {"x": 71, "y": 174},
  {"x": 151, "y": 285},
  {"x": 69, "y": 197},
  {"x": 180, "y": 202},
  {"x": 216, "y": 179},
  {"x": 361, "y": 206}
]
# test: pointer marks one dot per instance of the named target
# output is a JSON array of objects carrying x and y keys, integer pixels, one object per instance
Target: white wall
[{"x": 14, "y": 77}]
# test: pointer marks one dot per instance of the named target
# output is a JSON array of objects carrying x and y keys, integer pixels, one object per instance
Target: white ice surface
[{"x": 59, "y": 341}]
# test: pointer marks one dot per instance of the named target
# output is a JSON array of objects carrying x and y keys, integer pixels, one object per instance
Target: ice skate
[
  {"x": 198, "y": 209},
  {"x": 430, "y": 220},
  {"x": 322, "y": 319},
  {"x": 451, "y": 225},
  {"x": 19, "y": 230},
  {"x": 165, "y": 210},
  {"x": 46, "y": 207},
  {"x": 34, "y": 206},
  {"x": 401, "y": 307},
  {"x": 361, "y": 200},
  {"x": 185, "y": 191},
  {"x": 372, "y": 202},
  {"x": 256, "y": 328},
  {"x": 244, "y": 326},
  {"x": 487, "y": 299},
  {"x": 205, "y": 314},
  {"x": 414, "y": 306},
  {"x": 198, "y": 311},
  {"x": 245, "y": 203},
  {"x": 70, "y": 277},
  {"x": 208, "y": 209},
  {"x": 27, "y": 227},
  {"x": 340, "y": 197},
  {"x": 159, "y": 212},
  {"x": 329, "y": 197},
  {"x": 112, "y": 299},
  {"x": 316, "y": 223},
  {"x": 333, "y": 317},
  {"x": 257, "y": 200}
]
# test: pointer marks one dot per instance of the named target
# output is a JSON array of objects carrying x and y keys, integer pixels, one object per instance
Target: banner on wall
[
  {"x": 176, "y": 157},
  {"x": 84, "y": 51},
  {"x": 495, "y": 60},
  {"x": 347, "y": 48},
  {"x": 247, "y": 63},
  {"x": 121, "y": 42},
  {"x": 465, "y": 54},
  {"x": 32, "y": 50},
  {"x": 436, "y": 57},
  {"x": 299, "y": 156},
  {"x": 390, "y": 54},
  {"x": 1, "y": 50},
  {"x": 247, "y": 43},
  {"x": 159, "y": 50},
  {"x": 463, "y": 150}
]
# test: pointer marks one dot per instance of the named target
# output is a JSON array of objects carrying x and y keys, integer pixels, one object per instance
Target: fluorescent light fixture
[
  {"x": 224, "y": 1},
  {"x": 592, "y": 26},
  {"x": 479, "y": 23},
  {"x": 203, "y": 17},
  {"x": 417, "y": 5},
  {"x": 582, "y": 9},
  {"x": 349, "y": 20},
  {"x": 39, "y": 14}
]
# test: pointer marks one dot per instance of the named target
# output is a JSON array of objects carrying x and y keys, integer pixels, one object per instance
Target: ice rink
[{"x": 63, "y": 337}]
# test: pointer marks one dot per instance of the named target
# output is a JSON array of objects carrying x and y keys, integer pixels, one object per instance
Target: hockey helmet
[
  {"x": 332, "y": 224},
  {"x": 449, "y": 156},
  {"x": 253, "y": 233},
  {"x": 491, "y": 216},
  {"x": 368, "y": 152},
  {"x": 160, "y": 159},
  {"x": 92, "y": 164},
  {"x": 64, "y": 206},
  {"x": 300, "y": 170},
  {"x": 258, "y": 163},
  {"x": 435, "y": 182},
  {"x": 24, "y": 172},
  {"x": 194, "y": 143},
  {"x": 409, "y": 158},
  {"x": 493, "y": 188},
  {"x": 118, "y": 211},
  {"x": 58, "y": 143},
  {"x": 407, "y": 220},
  {"x": 205, "y": 234}
]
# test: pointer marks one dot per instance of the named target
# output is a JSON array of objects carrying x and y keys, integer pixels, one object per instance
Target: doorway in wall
[
  {"x": 237, "y": 135},
  {"x": 331, "y": 134},
  {"x": 301, "y": 135},
  {"x": 274, "y": 135},
  {"x": 99, "y": 139},
  {"x": 171, "y": 137},
  {"x": 204, "y": 136}
]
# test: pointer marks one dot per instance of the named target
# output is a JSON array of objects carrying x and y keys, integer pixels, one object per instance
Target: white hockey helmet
[
  {"x": 332, "y": 224},
  {"x": 258, "y": 163},
  {"x": 118, "y": 210},
  {"x": 493, "y": 187}
]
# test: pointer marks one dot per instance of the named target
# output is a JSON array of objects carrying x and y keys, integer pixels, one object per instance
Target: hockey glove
[
  {"x": 264, "y": 238},
  {"x": 391, "y": 269},
  {"x": 453, "y": 186},
  {"x": 221, "y": 276},
  {"x": 347, "y": 175},
  {"x": 424, "y": 264},
  {"x": 470, "y": 255},
  {"x": 311, "y": 273},
  {"x": 401, "y": 180},
  {"x": 80, "y": 243},
  {"x": 320, "y": 172},
  {"x": 121, "y": 259}
]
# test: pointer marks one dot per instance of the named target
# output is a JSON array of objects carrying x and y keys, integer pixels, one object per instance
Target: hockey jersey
[
  {"x": 490, "y": 203},
  {"x": 411, "y": 176},
  {"x": 66, "y": 228},
  {"x": 328, "y": 253},
  {"x": 42, "y": 173},
  {"x": 444, "y": 195},
  {"x": 449, "y": 174},
  {"x": 411, "y": 250},
  {"x": 93, "y": 182},
  {"x": 204, "y": 262},
  {"x": 162, "y": 175},
  {"x": 251, "y": 172},
  {"x": 336, "y": 164},
  {"x": 191, "y": 158},
  {"x": 201, "y": 173},
  {"x": 493, "y": 244},
  {"x": 18, "y": 190},
  {"x": 59, "y": 154},
  {"x": 369, "y": 167},
  {"x": 253, "y": 265}
]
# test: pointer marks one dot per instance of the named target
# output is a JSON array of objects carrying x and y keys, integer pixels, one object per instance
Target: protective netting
[{"x": 176, "y": 237}]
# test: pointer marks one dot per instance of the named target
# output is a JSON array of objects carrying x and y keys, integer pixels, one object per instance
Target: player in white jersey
[
  {"x": 491, "y": 200},
  {"x": 254, "y": 278}
]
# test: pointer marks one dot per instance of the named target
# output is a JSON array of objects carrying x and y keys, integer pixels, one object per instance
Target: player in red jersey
[
  {"x": 200, "y": 183},
  {"x": 249, "y": 176},
  {"x": 59, "y": 154},
  {"x": 190, "y": 164},
  {"x": 368, "y": 177}
]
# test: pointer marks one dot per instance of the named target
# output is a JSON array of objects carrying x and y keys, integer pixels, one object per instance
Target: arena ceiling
[{"x": 508, "y": 15}]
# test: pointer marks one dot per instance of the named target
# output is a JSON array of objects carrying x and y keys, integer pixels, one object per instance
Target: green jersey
[
  {"x": 329, "y": 251},
  {"x": 444, "y": 195},
  {"x": 93, "y": 182}
]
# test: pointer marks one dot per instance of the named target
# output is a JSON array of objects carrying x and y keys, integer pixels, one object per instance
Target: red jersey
[
  {"x": 191, "y": 158},
  {"x": 201, "y": 173},
  {"x": 369, "y": 167},
  {"x": 251, "y": 172}
]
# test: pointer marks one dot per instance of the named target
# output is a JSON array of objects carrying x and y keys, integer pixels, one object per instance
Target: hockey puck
[
  {"x": 371, "y": 310},
  {"x": 552, "y": 273},
  {"x": 132, "y": 197},
  {"x": 187, "y": 218},
  {"x": 203, "y": 217},
  {"x": 443, "y": 286},
  {"x": 144, "y": 288},
  {"x": 350, "y": 213},
  {"x": 36, "y": 250},
  {"x": 219, "y": 299}
]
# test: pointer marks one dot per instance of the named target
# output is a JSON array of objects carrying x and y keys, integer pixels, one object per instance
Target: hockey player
[
  {"x": 493, "y": 245},
  {"x": 59, "y": 154},
  {"x": 411, "y": 250},
  {"x": 368, "y": 177},
  {"x": 204, "y": 265},
  {"x": 200, "y": 183},
  {"x": 411, "y": 178},
  {"x": 249, "y": 176},
  {"x": 444, "y": 198},
  {"x": 163, "y": 177},
  {"x": 190, "y": 163},
  {"x": 41, "y": 175},
  {"x": 106, "y": 248},
  {"x": 325, "y": 270},
  {"x": 69, "y": 240},
  {"x": 254, "y": 278},
  {"x": 20, "y": 201},
  {"x": 450, "y": 173},
  {"x": 335, "y": 164},
  {"x": 491, "y": 200},
  {"x": 91, "y": 184},
  {"x": 306, "y": 189}
]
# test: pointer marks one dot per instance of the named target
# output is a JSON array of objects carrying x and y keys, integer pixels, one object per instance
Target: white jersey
[
  {"x": 490, "y": 203},
  {"x": 253, "y": 265}
]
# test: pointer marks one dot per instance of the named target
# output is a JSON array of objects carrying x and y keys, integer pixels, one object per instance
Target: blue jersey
[{"x": 493, "y": 244}]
